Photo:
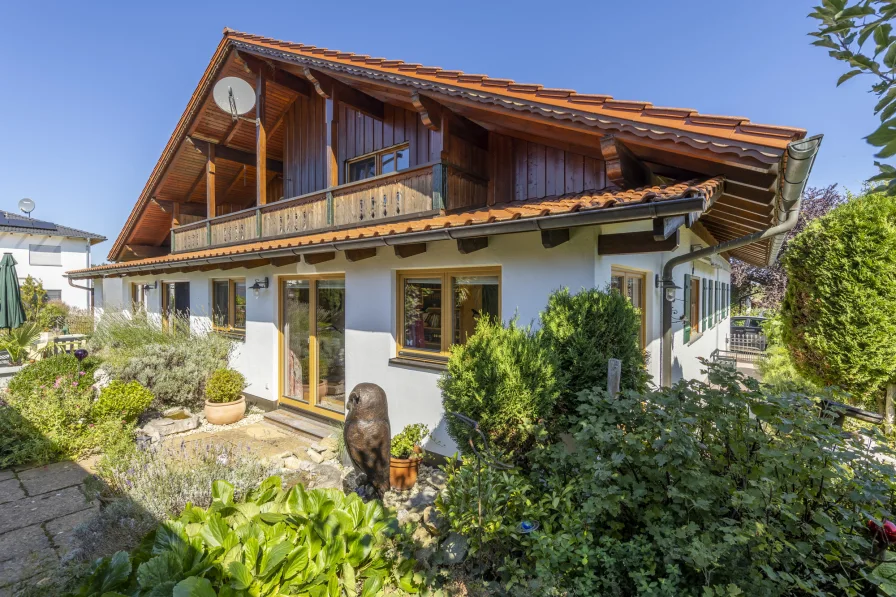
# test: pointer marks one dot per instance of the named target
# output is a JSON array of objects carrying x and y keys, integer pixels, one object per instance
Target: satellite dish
[
  {"x": 27, "y": 206},
  {"x": 234, "y": 96}
]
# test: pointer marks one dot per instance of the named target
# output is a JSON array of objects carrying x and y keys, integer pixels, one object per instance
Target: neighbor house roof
[
  {"x": 12, "y": 222},
  {"x": 704, "y": 192},
  {"x": 684, "y": 128}
]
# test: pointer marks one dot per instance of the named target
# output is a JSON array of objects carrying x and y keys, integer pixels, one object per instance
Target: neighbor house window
[
  {"x": 382, "y": 162},
  {"x": 631, "y": 284},
  {"x": 229, "y": 306},
  {"x": 44, "y": 255},
  {"x": 54, "y": 295},
  {"x": 442, "y": 307}
]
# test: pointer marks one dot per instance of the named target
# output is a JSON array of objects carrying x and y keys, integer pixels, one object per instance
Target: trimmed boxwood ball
[
  {"x": 839, "y": 311},
  {"x": 584, "y": 331},
  {"x": 225, "y": 385}
]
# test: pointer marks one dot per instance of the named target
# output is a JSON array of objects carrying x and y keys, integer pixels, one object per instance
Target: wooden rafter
[
  {"x": 430, "y": 111},
  {"x": 326, "y": 86},
  {"x": 194, "y": 186},
  {"x": 269, "y": 71},
  {"x": 187, "y": 209},
  {"x": 624, "y": 169}
]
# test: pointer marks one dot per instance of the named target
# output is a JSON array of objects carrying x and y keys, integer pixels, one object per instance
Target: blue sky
[{"x": 92, "y": 90}]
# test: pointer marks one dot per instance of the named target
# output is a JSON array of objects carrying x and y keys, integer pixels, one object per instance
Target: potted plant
[
  {"x": 224, "y": 402},
  {"x": 406, "y": 456}
]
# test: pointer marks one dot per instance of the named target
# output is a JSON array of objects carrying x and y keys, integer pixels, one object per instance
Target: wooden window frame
[
  {"x": 163, "y": 288},
  {"x": 230, "y": 329},
  {"x": 446, "y": 324},
  {"x": 617, "y": 270},
  {"x": 378, "y": 167},
  {"x": 696, "y": 325},
  {"x": 313, "y": 373}
]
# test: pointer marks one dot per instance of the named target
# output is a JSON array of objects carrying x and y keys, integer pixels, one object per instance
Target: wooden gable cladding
[
  {"x": 305, "y": 147},
  {"x": 524, "y": 170},
  {"x": 360, "y": 134}
]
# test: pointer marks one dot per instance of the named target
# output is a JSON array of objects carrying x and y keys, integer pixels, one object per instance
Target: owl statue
[{"x": 368, "y": 435}]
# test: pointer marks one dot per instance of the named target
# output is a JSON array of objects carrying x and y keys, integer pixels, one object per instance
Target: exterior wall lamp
[
  {"x": 152, "y": 286},
  {"x": 259, "y": 284},
  {"x": 669, "y": 287}
]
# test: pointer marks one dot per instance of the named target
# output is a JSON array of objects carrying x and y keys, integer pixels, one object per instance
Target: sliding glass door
[{"x": 312, "y": 325}]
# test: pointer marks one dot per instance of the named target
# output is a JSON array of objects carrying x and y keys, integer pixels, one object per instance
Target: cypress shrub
[
  {"x": 839, "y": 311},
  {"x": 584, "y": 331},
  {"x": 505, "y": 379}
]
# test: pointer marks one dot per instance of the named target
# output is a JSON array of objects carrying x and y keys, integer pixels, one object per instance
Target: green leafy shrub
[
  {"x": 46, "y": 371},
  {"x": 126, "y": 401},
  {"x": 841, "y": 297},
  {"x": 224, "y": 385},
  {"x": 18, "y": 342},
  {"x": 776, "y": 366},
  {"x": 20, "y": 442},
  {"x": 584, "y": 331},
  {"x": 403, "y": 444},
  {"x": 504, "y": 378},
  {"x": 291, "y": 542},
  {"x": 694, "y": 490}
]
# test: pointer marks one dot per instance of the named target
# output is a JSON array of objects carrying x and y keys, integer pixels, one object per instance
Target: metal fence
[{"x": 748, "y": 342}]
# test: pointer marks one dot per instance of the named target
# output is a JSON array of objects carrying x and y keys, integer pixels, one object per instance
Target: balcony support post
[
  {"x": 439, "y": 186},
  {"x": 330, "y": 216},
  {"x": 261, "y": 142},
  {"x": 257, "y": 222}
]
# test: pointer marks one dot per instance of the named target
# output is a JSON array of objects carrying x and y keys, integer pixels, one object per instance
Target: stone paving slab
[
  {"x": 52, "y": 477},
  {"x": 23, "y": 541},
  {"x": 264, "y": 439},
  {"x": 7, "y": 474},
  {"x": 10, "y": 491},
  {"x": 41, "y": 508},
  {"x": 31, "y": 564}
]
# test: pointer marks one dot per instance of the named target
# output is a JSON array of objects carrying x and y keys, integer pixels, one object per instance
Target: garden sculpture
[{"x": 368, "y": 435}]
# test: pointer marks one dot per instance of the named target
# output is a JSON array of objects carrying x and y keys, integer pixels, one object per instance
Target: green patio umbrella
[{"x": 12, "y": 315}]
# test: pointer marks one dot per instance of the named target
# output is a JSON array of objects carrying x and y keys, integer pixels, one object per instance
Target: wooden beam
[
  {"x": 233, "y": 181},
  {"x": 430, "y": 111},
  {"x": 471, "y": 245},
  {"x": 634, "y": 242},
  {"x": 315, "y": 258},
  {"x": 554, "y": 238},
  {"x": 358, "y": 254},
  {"x": 663, "y": 228},
  {"x": 232, "y": 132},
  {"x": 409, "y": 250},
  {"x": 261, "y": 143},
  {"x": 288, "y": 260},
  {"x": 326, "y": 86},
  {"x": 211, "y": 204},
  {"x": 187, "y": 209},
  {"x": 144, "y": 251},
  {"x": 229, "y": 154},
  {"x": 208, "y": 267},
  {"x": 624, "y": 169},
  {"x": 256, "y": 263},
  {"x": 331, "y": 113},
  {"x": 194, "y": 186}
]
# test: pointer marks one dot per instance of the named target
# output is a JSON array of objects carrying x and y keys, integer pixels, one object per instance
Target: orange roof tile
[{"x": 565, "y": 204}]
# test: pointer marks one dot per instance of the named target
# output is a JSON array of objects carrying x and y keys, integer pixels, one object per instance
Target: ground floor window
[
  {"x": 632, "y": 284},
  {"x": 694, "y": 297},
  {"x": 229, "y": 306},
  {"x": 438, "y": 308},
  {"x": 312, "y": 325},
  {"x": 176, "y": 306}
]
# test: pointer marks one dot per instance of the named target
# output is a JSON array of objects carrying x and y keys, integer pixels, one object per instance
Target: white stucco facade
[
  {"x": 529, "y": 274},
  {"x": 74, "y": 253}
]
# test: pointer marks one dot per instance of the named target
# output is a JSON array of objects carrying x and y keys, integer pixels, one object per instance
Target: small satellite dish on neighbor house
[
  {"x": 26, "y": 205},
  {"x": 234, "y": 96}
]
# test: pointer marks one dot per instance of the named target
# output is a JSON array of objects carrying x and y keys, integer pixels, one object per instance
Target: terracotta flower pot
[
  {"x": 403, "y": 471},
  {"x": 225, "y": 413}
]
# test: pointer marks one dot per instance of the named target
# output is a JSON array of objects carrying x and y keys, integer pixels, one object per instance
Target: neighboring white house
[
  {"x": 45, "y": 251},
  {"x": 357, "y": 228}
]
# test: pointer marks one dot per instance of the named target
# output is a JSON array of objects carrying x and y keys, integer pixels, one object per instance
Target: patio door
[
  {"x": 176, "y": 306},
  {"x": 312, "y": 355}
]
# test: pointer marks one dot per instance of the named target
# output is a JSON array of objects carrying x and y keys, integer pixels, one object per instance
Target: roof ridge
[{"x": 605, "y": 102}]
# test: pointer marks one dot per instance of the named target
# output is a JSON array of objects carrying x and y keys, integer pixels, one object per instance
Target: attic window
[{"x": 393, "y": 159}]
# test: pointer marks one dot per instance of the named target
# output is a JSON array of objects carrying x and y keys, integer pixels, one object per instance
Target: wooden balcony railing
[{"x": 398, "y": 195}]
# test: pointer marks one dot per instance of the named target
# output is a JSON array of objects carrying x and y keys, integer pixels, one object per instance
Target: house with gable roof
[{"x": 356, "y": 222}]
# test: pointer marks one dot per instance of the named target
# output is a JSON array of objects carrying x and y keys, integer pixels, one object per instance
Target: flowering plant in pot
[
  {"x": 406, "y": 456},
  {"x": 224, "y": 402}
]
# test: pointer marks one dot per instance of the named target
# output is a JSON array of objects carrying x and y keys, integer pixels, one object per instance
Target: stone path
[
  {"x": 265, "y": 439},
  {"x": 39, "y": 507}
]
